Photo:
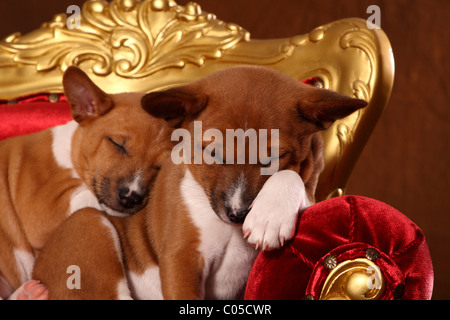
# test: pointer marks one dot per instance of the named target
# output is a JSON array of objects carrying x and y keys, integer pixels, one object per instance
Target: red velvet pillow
[
  {"x": 345, "y": 228},
  {"x": 32, "y": 114}
]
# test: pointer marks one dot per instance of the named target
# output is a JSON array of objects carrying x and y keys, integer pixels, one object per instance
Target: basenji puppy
[
  {"x": 196, "y": 239},
  {"x": 106, "y": 158}
]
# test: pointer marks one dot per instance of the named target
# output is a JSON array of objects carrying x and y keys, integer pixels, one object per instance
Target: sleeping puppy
[
  {"x": 100, "y": 160},
  {"x": 213, "y": 201}
]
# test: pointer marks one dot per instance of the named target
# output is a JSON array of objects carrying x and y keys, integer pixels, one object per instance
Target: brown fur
[{"x": 163, "y": 233}]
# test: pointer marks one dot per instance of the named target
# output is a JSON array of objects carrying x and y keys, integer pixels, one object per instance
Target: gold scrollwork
[
  {"x": 131, "y": 38},
  {"x": 361, "y": 39}
]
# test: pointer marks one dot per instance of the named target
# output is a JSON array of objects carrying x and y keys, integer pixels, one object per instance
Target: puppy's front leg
[
  {"x": 273, "y": 216},
  {"x": 82, "y": 260},
  {"x": 181, "y": 275}
]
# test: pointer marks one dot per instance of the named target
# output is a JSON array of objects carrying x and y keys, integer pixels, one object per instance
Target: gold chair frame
[{"x": 133, "y": 45}]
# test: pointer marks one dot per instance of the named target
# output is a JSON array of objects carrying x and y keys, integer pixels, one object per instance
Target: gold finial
[{"x": 358, "y": 279}]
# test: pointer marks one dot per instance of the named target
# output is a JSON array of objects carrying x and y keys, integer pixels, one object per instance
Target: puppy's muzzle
[
  {"x": 129, "y": 199},
  {"x": 237, "y": 216}
]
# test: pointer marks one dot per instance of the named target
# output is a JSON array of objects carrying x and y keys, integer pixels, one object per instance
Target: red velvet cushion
[
  {"x": 32, "y": 114},
  {"x": 345, "y": 227}
]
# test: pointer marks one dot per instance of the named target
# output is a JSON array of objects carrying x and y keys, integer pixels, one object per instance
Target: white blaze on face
[
  {"x": 234, "y": 198},
  {"x": 135, "y": 184}
]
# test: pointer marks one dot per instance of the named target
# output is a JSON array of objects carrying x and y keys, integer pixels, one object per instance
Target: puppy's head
[
  {"x": 253, "y": 121},
  {"x": 118, "y": 147}
]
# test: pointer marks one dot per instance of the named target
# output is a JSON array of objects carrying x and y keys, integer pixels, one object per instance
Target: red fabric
[
  {"x": 310, "y": 81},
  {"x": 345, "y": 227},
  {"x": 32, "y": 115}
]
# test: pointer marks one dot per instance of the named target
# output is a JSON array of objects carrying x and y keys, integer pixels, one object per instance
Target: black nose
[
  {"x": 237, "y": 216},
  {"x": 129, "y": 199}
]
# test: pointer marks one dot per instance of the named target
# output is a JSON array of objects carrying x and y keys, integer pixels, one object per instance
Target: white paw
[{"x": 273, "y": 215}]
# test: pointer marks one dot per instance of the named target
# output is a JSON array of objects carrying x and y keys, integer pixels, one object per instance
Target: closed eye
[
  {"x": 213, "y": 154},
  {"x": 271, "y": 159},
  {"x": 119, "y": 146}
]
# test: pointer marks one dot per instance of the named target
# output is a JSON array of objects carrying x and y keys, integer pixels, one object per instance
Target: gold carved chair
[{"x": 132, "y": 45}]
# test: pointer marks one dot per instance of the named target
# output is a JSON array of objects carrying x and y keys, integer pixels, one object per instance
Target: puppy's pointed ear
[
  {"x": 322, "y": 107},
  {"x": 174, "y": 105},
  {"x": 87, "y": 101}
]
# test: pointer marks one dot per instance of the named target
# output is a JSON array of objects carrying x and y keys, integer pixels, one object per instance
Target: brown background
[{"x": 406, "y": 161}]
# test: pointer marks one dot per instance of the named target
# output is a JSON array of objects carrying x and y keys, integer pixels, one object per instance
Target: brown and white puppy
[
  {"x": 106, "y": 158},
  {"x": 195, "y": 239}
]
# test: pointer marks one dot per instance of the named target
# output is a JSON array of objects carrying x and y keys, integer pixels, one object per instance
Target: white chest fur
[{"x": 228, "y": 257}]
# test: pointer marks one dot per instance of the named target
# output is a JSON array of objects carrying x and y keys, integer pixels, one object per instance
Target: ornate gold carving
[
  {"x": 361, "y": 90},
  {"x": 362, "y": 39},
  {"x": 133, "y": 45},
  {"x": 130, "y": 38},
  {"x": 317, "y": 34},
  {"x": 344, "y": 135},
  {"x": 358, "y": 279}
]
